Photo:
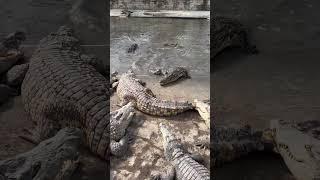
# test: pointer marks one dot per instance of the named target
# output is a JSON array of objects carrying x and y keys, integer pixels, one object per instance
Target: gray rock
[{"x": 16, "y": 74}]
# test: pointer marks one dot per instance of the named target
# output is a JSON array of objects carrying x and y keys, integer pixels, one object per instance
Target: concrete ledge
[{"x": 163, "y": 14}]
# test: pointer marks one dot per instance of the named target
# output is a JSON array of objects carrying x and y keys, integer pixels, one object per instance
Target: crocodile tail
[{"x": 158, "y": 107}]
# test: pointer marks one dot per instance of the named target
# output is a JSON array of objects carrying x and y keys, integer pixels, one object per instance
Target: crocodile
[
  {"x": 119, "y": 121},
  {"x": 299, "y": 146},
  {"x": 230, "y": 143},
  {"x": 229, "y": 33},
  {"x": 131, "y": 89},
  {"x": 9, "y": 50},
  {"x": 178, "y": 73},
  {"x": 60, "y": 89},
  {"x": 133, "y": 48},
  {"x": 184, "y": 166}
]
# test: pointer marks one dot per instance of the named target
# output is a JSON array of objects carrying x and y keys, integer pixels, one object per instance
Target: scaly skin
[
  {"x": 232, "y": 143},
  {"x": 185, "y": 167},
  {"x": 228, "y": 144},
  {"x": 119, "y": 121},
  {"x": 228, "y": 32},
  {"x": 60, "y": 89},
  {"x": 176, "y": 74},
  {"x": 130, "y": 89},
  {"x": 299, "y": 146}
]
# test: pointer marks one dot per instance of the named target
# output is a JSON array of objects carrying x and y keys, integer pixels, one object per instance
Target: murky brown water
[{"x": 162, "y": 42}]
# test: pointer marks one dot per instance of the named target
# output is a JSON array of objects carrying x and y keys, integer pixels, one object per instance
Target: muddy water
[{"x": 162, "y": 42}]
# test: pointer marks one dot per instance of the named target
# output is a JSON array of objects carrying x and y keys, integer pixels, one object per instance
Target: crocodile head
[
  {"x": 299, "y": 145},
  {"x": 176, "y": 74},
  {"x": 63, "y": 38},
  {"x": 119, "y": 121}
]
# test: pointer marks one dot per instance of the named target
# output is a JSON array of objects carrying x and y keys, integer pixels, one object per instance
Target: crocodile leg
[
  {"x": 198, "y": 158},
  {"x": 148, "y": 91},
  {"x": 118, "y": 148},
  {"x": 126, "y": 99}
]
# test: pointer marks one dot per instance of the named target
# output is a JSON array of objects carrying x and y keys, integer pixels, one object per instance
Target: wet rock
[
  {"x": 12, "y": 42},
  {"x": 9, "y": 59},
  {"x": 55, "y": 158},
  {"x": 9, "y": 50},
  {"x": 6, "y": 92},
  {"x": 16, "y": 74}
]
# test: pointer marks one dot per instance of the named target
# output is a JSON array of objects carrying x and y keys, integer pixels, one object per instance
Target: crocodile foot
[{"x": 203, "y": 144}]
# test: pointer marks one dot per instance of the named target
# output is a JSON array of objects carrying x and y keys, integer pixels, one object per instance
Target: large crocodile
[
  {"x": 61, "y": 89},
  {"x": 130, "y": 89},
  {"x": 299, "y": 146},
  {"x": 229, "y": 33},
  {"x": 184, "y": 167}
]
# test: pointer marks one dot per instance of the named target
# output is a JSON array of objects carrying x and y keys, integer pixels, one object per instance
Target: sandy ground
[
  {"x": 145, "y": 155},
  {"x": 279, "y": 83}
]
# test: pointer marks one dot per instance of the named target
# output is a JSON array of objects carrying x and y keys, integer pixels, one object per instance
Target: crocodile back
[
  {"x": 189, "y": 169},
  {"x": 130, "y": 89},
  {"x": 61, "y": 90}
]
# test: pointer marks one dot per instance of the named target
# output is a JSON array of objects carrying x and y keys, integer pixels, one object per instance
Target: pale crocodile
[
  {"x": 130, "y": 89},
  {"x": 299, "y": 146},
  {"x": 61, "y": 89},
  {"x": 184, "y": 167}
]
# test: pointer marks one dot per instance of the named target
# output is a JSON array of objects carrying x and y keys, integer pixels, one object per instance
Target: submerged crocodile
[
  {"x": 130, "y": 89},
  {"x": 178, "y": 73},
  {"x": 229, "y": 33},
  {"x": 184, "y": 167},
  {"x": 61, "y": 89},
  {"x": 133, "y": 48}
]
